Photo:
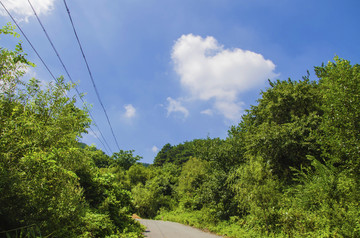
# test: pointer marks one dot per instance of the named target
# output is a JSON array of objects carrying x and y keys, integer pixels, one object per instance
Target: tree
[
  {"x": 177, "y": 154},
  {"x": 163, "y": 155},
  {"x": 340, "y": 127},
  {"x": 138, "y": 173},
  {"x": 257, "y": 194},
  {"x": 125, "y": 159},
  {"x": 46, "y": 180},
  {"x": 13, "y": 64},
  {"x": 193, "y": 175},
  {"x": 37, "y": 159},
  {"x": 158, "y": 192},
  {"x": 280, "y": 129},
  {"x": 100, "y": 159}
]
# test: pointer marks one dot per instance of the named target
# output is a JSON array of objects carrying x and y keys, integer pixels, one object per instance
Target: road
[{"x": 167, "y": 229}]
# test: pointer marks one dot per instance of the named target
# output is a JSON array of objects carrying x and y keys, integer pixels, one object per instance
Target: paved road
[{"x": 167, "y": 229}]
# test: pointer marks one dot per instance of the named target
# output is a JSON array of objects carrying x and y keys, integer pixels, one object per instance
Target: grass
[{"x": 232, "y": 228}]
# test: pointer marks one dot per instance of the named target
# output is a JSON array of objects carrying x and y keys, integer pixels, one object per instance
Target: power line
[
  {"x": 67, "y": 72},
  {"x": 91, "y": 77},
  {"x": 32, "y": 46},
  {"x": 12, "y": 18},
  {"x": 108, "y": 147},
  {"x": 99, "y": 138}
]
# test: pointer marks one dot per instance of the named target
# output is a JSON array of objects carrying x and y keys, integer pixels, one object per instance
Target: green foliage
[
  {"x": 158, "y": 192},
  {"x": 97, "y": 225},
  {"x": 125, "y": 159},
  {"x": 31, "y": 231},
  {"x": 38, "y": 185},
  {"x": 49, "y": 185},
  {"x": 177, "y": 154},
  {"x": 164, "y": 155},
  {"x": 138, "y": 174},
  {"x": 192, "y": 177},
  {"x": 200, "y": 219},
  {"x": 289, "y": 169},
  {"x": 223, "y": 154},
  {"x": 257, "y": 194},
  {"x": 13, "y": 64},
  {"x": 280, "y": 128},
  {"x": 340, "y": 137},
  {"x": 100, "y": 159},
  {"x": 324, "y": 203}
]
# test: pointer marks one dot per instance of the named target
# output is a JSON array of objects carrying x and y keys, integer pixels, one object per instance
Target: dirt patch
[{"x": 134, "y": 216}]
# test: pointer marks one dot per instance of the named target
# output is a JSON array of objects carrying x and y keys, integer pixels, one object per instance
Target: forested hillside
[{"x": 290, "y": 168}]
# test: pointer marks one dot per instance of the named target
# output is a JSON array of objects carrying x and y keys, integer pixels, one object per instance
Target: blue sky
[{"x": 170, "y": 71}]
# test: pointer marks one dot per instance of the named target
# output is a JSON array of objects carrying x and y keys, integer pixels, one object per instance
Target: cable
[
  {"x": 28, "y": 40},
  {"x": 32, "y": 46},
  {"x": 67, "y": 72},
  {"x": 108, "y": 147},
  {"x": 99, "y": 138},
  {"x": 91, "y": 77}
]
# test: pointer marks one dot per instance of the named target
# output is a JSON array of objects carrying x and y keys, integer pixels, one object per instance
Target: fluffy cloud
[
  {"x": 209, "y": 72},
  {"x": 130, "y": 111},
  {"x": 175, "y": 106},
  {"x": 22, "y": 10},
  {"x": 155, "y": 149}
]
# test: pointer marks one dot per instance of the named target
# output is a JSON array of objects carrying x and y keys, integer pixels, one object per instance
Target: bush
[{"x": 325, "y": 203}]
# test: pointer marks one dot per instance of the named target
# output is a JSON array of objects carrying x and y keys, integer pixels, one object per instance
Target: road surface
[{"x": 167, "y": 229}]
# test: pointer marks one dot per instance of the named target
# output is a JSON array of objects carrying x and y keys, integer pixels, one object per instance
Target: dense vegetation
[
  {"x": 50, "y": 185},
  {"x": 290, "y": 168}
]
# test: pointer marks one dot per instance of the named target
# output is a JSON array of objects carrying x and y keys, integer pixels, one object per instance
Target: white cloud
[
  {"x": 175, "y": 106},
  {"x": 30, "y": 73},
  {"x": 130, "y": 111},
  {"x": 209, "y": 72},
  {"x": 207, "y": 112},
  {"x": 155, "y": 149},
  {"x": 230, "y": 109},
  {"x": 22, "y": 11}
]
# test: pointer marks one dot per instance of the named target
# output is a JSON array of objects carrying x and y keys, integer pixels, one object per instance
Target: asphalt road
[{"x": 167, "y": 229}]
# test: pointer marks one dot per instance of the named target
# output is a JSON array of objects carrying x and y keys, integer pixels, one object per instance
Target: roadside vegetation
[
  {"x": 290, "y": 168},
  {"x": 50, "y": 184}
]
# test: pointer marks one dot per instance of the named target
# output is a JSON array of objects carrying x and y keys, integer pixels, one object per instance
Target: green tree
[
  {"x": 100, "y": 159},
  {"x": 163, "y": 156},
  {"x": 38, "y": 159},
  {"x": 224, "y": 154},
  {"x": 257, "y": 194},
  {"x": 138, "y": 173},
  {"x": 158, "y": 193},
  {"x": 125, "y": 159},
  {"x": 193, "y": 175},
  {"x": 46, "y": 180},
  {"x": 280, "y": 129},
  {"x": 13, "y": 64},
  {"x": 340, "y": 128},
  {"x": 324, "y": 203}
]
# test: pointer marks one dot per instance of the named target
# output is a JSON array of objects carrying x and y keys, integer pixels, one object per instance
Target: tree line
[
  {"x": 290, "y": 168},
  {"x": 50, "y": 184}
]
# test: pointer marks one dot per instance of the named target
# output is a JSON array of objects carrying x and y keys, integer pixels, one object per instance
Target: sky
[{"x": 170, "y": 71}]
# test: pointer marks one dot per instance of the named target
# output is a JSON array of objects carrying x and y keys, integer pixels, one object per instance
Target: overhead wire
[
  {"x": 27, "y": 39},
  {"x": 90, "y": 74},
  {"x": 70, "y": 78},
  {"x": 34, "y": 49}
]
